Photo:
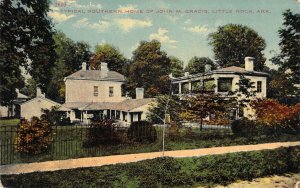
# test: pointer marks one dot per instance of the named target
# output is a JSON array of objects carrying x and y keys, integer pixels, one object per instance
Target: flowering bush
[
  {"x": 271, "y": 113},
  {"x": 34, "y": 137}
]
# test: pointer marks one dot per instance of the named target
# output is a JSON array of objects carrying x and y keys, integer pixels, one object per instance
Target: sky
[{"x": 182, "y": 26}]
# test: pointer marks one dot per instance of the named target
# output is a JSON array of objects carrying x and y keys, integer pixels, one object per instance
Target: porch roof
[{"x": 126, "y": 105}]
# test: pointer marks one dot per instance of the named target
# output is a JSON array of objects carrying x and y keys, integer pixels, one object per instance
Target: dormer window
[
  {"x": 96, "y": 92},
  {"x": 111, "y": 91}
]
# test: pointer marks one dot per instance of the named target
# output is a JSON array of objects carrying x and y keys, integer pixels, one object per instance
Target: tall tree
[
  {"x": 109, "y": 54},
  {"x": 26, "y": 40},
  {"x": 176, "y": 66},
  {"x": 233, "y": 42},
  {"x": 70, "y": 56},
  {"x": 150, "y": 69},
  {"x": 289, "y": 57},
  {"x": 197, "y": 65}
]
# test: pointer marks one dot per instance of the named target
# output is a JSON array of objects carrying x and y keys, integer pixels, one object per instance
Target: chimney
[
  {"x": 207, "y": 68},
  {"x": 249, "y": 63},
  {"x": 186, "y": 74},
  {"x": 39, "y": 93},
  {"x": 104, "y": 69},
  {"x": 139, "y": 93},
  {"x": 171, "y": 75},
  {"x": 83, "y": 66}
]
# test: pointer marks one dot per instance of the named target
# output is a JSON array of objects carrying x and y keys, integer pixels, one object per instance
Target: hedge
[{"x": 169, "y": 172}]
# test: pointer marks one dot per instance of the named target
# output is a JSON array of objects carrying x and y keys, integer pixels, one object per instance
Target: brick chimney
[
  {"x": 139, "y": 93},
  {"x": 207, "y": 67},
  {"x": 104, "y": 70},
  {"x": 249, "y": 63},
  {"x": 83, "y": 66}
]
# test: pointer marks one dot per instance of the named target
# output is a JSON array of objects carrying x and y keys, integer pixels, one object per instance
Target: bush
[
  {"x": 102, "y": 132},
  {"x": 34, "y": 137},
  {"x": 244, "y": 127},
  {"x": 141, "y": 131},
  {"x": 169, "y": 172}
]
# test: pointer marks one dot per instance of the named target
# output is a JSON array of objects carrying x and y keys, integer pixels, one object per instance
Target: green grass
[
  {"x": 169, "y": 172},
  {"x": 4, "y": 122},
  {"x": 68, "y": 143}
]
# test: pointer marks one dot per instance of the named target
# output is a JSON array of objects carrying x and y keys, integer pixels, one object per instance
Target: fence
[{"x": 71, "y": 142}]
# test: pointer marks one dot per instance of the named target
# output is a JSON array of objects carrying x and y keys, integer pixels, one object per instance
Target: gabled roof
[
  {"x": 42, "y": 98},
  {"x": 96, "y": 75},
  {"x": 21, "y": 96}
]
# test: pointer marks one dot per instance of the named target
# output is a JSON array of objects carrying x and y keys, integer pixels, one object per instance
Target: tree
[
  {"x": 233, "y": 42},
  {"x": 150, "y": 69},
  {"x": 243, "y": 95},
  {"x": 289, "y": 57},
  {"x": 109, "y": 54},
  {"x": 70, "y": 56},
  {"x": 174, "y": 107},
  {"x": 202, "y": 106},
  {"x": 26, "y": 40},
  {"x": 30, "y": 88},
  {"x": 176, "y": 66},
  {"x": 197, "y": 65}
]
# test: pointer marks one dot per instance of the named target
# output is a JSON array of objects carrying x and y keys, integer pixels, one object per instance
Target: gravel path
[{"x": 109, "y": 160}]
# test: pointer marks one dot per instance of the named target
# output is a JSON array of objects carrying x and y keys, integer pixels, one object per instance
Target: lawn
[
  {"x": 68, "y": 142},
  {"x": 169, "y": 172}
]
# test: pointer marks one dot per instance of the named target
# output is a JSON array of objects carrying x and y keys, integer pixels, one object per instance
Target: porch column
[
  {"x": 179, "y": 87},
  {"x": 190, "y": 87},
  {"x": 216, "y": 84}
]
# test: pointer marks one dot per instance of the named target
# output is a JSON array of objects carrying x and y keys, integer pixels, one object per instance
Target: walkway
[{"x": 109, "y": 160}]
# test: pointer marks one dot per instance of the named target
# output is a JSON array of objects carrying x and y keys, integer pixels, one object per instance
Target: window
[
  {"x": 96, "y": 91},
  {"x": 259, "y": 86},
  {"x": 111, "y": 91},
  {"x": 224, "y": 84}
]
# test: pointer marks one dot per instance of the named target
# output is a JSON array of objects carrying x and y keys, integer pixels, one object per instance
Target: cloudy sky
[{"x": 182, "y": 26}]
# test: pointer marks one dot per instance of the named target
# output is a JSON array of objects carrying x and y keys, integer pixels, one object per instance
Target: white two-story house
[
  {"x": 97, "y": 94},
  {"x": 222, "y": 81}
]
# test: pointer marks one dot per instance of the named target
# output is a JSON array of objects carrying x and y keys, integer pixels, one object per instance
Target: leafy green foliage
[
  {"x": 197, "y": 65},
  {"x": 169, "y": 172},
  {"x": 176, "y": 66},
  {"x": 110, "y": 55},
  {"x": 142, "y": 131},
  {"x": 289, "y": 57},
  {"x": 174, "y": 107},
  {"x": 244, "y": 127},
  {"x": 233, "y": 42},
  {"x": 202, "y": 106},
  {"x": 70, "y": 56},
  {"x": 150, "y": 69},
  {"x": 102, "y": 132},
  {"x": 34, "y": 137},
  {"x": 26, "y": 41}
]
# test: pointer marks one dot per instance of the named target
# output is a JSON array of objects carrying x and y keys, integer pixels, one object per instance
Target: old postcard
[{"x": 140, "y": 93}]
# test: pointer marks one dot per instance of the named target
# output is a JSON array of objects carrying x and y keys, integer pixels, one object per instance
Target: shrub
[
  {"x": 244, "y": 127},
  {"x": 34, "y": 137},
  {"x": 169, "y": 172},
  {"x": 102, "y": 132},
  {"x": 141, "y": 131}
]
